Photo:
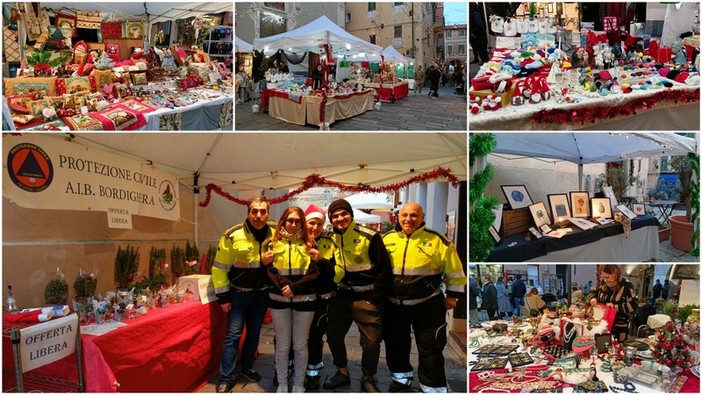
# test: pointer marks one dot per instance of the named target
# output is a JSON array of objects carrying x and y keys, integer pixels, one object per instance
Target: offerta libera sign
[
  {"x": 47, "y": 172},
  {"x": 48, "y": 342}
]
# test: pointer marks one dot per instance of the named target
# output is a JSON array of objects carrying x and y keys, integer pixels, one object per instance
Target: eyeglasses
[{"x": 293, "y": 221}]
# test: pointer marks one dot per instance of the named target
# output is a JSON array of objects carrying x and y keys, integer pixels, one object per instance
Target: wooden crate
[{"x": 516, "y": 221}]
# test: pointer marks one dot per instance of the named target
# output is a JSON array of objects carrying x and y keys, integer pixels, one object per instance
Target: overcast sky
[{"x": 455, "y": 12}]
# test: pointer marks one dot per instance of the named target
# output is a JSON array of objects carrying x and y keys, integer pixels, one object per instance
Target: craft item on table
[
  {"x": 583, "y": 344},
  {"x": 83, "y": 122},
  {"x": 88, "y": 20},
  {"x": 591, "y": 386},
  {"x": 134, "y": 30},
  {"x": 112, "y": 51},
  {"x": 137, "y": 105},
  {"x": 104, "y": 62},
  {"x": 49, "y": 114},
  {"x": 495, "y": 350},
  {"x": 496, "y": 363},
  {"x": 112, "y": 30},
  {"x": 119, "y": 117},
  {"x": 520, "y": 359},
  {"x": 26, "y": 317}
]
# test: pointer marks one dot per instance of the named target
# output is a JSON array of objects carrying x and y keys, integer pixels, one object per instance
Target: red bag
[
  {"x": 609, "y": 314},
  {"x": 480, "y": 83}
]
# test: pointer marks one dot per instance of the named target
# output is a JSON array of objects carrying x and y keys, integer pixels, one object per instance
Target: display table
[
  {"x": 604, "y": 243},
  {"x": 173, "y": 349},
  {"x": 386, "y": 92},
  {"x": 481, "y": 381},
  {"x": 665, "y": 209},
  {"x": 300, "y": 110}
]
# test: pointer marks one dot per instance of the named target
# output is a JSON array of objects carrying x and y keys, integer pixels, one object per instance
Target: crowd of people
[
  {"x": 318, "y": 282},
  {"x": 508, "y": 297}
]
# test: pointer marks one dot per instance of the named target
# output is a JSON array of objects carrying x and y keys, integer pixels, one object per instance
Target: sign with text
[
  {"x": 46, "y": 172},
  {"x": 48, "y": 342}
]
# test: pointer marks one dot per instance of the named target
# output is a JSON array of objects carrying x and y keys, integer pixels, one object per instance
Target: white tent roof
[
  {"x": 360, "y": 217},
  {"x": 310, "y": 36},
  {"x": 390, "y": 54},
  {"x": 135, "y": 10},
  {"x": 585, "y": 148},
  {"x": 255, "y": 161},
  {"x": 370, "y": 201},
  {"x": 242, "y": 46}
]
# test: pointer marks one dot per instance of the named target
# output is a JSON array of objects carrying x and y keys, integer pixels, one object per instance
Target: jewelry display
[
  {"x": 520, "y": 359},
  {"x": 496, "y": 363},
  {"x": 628, "y": 387},
  {"x": 495, "y": 350}
]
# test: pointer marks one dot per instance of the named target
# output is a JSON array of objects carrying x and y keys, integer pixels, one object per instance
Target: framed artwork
[
  {"x": 545, "y": 229},
  {"x": 494, "y": 234},
  {"x": 602, "y": 341},
  {"x": 539, "y": 214},
  {"x": 517, "y": 196},
  {"x": 609, "y": 192},
  {"x": 601, "y": 207},
  {"x": 535, "y": 232},
  {"x": 559, "y": 206},
  {"x": 639, "y": 209},
  {"x": 625, "y": 210},
  {"x": 498, "y": 216},
  {"x": 579, "y": 204}
]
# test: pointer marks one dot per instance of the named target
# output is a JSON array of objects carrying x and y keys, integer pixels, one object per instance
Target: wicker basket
[{"x": 506, "y": 96}]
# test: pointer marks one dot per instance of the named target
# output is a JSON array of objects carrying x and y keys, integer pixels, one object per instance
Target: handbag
[{"x": 532, "y": 312}]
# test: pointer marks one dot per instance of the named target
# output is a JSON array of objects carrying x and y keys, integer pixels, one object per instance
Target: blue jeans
[
  {"x": 248, "y": 308},
  {"x": 518, "y": 303}
]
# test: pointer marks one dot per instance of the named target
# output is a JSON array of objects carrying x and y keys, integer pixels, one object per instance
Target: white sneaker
[
  {"x": 282, "y": 389},
  {"x": 298, "y": 389}
]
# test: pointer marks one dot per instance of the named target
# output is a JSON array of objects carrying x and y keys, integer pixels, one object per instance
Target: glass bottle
[{"x": 11, "y": 304}]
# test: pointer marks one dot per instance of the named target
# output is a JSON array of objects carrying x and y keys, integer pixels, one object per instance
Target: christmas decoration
[
  {"x": 315, "y": 180},
  {"x": 695, "y": 201},
  {"x": 56, "y": 291},
  {"x": 672, "y": 346},
  {"x": 126, "y": 265},
  {"x": 481, "y": 214}
]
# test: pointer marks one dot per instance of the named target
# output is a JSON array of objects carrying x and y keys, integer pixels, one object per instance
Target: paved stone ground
[
  {"x": 420, "y": 112},
  {"x": 454, "y": 355},
  {"x": 668, "y": 253}
]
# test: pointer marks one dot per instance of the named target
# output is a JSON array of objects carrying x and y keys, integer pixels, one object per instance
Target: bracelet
[{"x": 628, "y": 387}]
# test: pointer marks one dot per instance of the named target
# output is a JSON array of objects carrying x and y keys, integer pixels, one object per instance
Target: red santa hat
[{"x": 314, "y": 212}]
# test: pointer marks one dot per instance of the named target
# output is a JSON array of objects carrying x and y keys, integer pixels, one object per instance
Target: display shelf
[{"x": 219, "y": 43}]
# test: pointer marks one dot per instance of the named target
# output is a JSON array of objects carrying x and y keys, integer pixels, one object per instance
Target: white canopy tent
[
  {"x": 314, "y": 34},
  {"x": 158, "y": 12},
  {"x": 390, "y": 55},
  {"x": 242, "y": 46},
  {"x": 584, "y": 148},
  {"x": 370, "y": 201}
]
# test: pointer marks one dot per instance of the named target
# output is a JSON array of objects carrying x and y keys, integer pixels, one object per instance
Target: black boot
[
  {"x": 369, "y": 385},
  {"x": 396, "y": 386},
  {"x": 337, "y": 380},
  {"x": 312, "y": 383}
]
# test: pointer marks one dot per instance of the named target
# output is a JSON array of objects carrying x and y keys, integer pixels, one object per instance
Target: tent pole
[{"x": 580, "y": 176}]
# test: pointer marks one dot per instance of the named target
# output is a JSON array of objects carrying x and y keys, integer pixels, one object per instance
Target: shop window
[
  {"x": 449, "y": 49},
  {"x": 461, "y": 49},
  {"x": 398, "y": 31},
  {"x": 372, "y": 39},
  {"x": 461, "y": 33},
  {"x": 449, "y": 34},
  {"x": 348, "y": 17},
  {"x": 371, "y": 7}
]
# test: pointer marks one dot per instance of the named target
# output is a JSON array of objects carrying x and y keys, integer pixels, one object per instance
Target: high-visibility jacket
[
  {"x": 421, "y": 262},
  {"x": 237, "y": 265},
  {"x": 293, "y": 267},
  {"x": 329, "y": 272},
  {"x": 361, "y": 254}
]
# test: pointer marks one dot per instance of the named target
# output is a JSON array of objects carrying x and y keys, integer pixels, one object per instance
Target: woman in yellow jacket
[{"x": 293, "y": 276}]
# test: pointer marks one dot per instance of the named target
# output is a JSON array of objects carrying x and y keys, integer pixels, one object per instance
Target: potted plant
[
  {"x": 56, "y": 291},
  {"x": 126, "y": 266},
  {"x": 84, "y": 286},
  {"x": 681, "y": 226},
  {"x": 178, "y": 264}
]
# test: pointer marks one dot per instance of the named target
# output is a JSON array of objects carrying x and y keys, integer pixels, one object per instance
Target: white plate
[
  {"x": 598, "y": 312},
  {"x": 645, "y": 354}
]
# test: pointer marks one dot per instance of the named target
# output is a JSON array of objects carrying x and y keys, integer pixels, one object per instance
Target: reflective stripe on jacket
[{"x": 293, "y": 267}]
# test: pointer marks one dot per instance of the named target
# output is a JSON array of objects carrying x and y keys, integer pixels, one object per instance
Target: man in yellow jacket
[
  {"x": 238, "y": 275},
  {"x": 421, "y": 260}
]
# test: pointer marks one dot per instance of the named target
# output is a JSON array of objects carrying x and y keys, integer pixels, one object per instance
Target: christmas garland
[
  {"x": 594, "y": 114},
  {"x": 481, "y": 214},
  {"x": 694, "y": 159},
  {"x": 315, "y": 180}
]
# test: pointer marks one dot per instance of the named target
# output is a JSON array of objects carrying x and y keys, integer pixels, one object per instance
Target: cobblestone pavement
[
  {"x": 420, "y": 112},
  {"x": 454, "y": 355}
]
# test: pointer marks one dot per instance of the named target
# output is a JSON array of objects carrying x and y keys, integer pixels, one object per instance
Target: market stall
[
  {"x": 387, "y": 84},
  {"x": 319, "y": 35},
  {"x": 617, "y": 78},
  {"x": 122, "y": 66}
]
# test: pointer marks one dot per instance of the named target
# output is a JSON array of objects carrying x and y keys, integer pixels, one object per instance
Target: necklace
[{"x": 628, "y": 387}]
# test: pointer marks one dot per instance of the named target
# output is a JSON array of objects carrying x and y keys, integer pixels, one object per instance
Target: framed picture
[
  {"x": 498, "y": 217},
  {"x": 545, "y": 229},
  {"x": 579, "y": 204},
  {"x": 517, "y": 196},
  {"x": 560, "y": 209},
  {"x": 539, "y": 214},
  {"x": 639, "y": 209},
  {"x": 601, "y": 207},
  {"x": 494, "y": 234},
  {"x": 625, "y": 210},
  {"x": 535, "y": 232},
  {"x": 609, "y": 192},
  {"x": 602, "y": 341}
]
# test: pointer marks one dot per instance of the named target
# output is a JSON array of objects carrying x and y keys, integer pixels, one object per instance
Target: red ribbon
[{"x": 315, "y": 180}]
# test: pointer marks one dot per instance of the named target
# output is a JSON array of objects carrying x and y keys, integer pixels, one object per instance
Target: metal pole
[
  {"x": 15, "y": 335},
  {"x": 79, "y": 355}
]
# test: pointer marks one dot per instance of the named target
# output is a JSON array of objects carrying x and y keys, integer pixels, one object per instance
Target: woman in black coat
[{"x": 489, "y": 298}]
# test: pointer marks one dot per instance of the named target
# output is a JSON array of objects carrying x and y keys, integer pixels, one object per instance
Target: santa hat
[{"x": 314, "y": 212}]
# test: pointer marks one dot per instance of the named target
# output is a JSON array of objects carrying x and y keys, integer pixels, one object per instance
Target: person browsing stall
[
  {"x": 364, "y": 259},
  {"x": 330, "y": 274},
  {"x": 533, "y": 302},
  {"x": 238, "y": 276},
  {"x": 615, "y": 291},
  {"x": 422, "y": 259},
  {"x": 293, "y": 276}
]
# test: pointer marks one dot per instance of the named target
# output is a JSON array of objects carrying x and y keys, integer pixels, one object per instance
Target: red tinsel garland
[
  {"x": 315, "y": 180},
  {"x": 593, "y": 114}
]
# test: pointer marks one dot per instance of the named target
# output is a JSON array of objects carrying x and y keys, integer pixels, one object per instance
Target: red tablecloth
[
  {"x": 173, "y": 349},
  {"x": 399, "y": 91}
]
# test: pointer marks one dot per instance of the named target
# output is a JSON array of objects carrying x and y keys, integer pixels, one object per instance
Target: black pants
[
  {"x": 480, "y": 48},
  {"x": 434, "y": 89},
  {"x": 344, "y": 309},
  {"x": 492, "y": 314},
  {"x": 315, "y": 341},
  {"x": 428, "y": 321}
]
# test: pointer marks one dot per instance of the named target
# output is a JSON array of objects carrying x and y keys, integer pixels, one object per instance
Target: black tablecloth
[{"x": 525, "y": 250}]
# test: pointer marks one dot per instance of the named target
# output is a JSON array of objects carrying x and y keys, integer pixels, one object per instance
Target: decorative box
[
  {"x": 200, "y": 285},
  {"x": 516, "y": 221}
]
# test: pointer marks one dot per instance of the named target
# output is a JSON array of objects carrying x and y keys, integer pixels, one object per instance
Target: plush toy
[
  {"x": 491, "y": 102},
  {"x": 80, "y": 52},
  {"x": 137, "y": 54},
  {"x": 169, "y": 63}
]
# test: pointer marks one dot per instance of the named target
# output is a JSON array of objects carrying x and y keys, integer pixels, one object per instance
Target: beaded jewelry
[{"x": 628, "y": 387}]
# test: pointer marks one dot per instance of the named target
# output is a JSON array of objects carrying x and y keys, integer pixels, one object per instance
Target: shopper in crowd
[
  {"x": 422, "y": 259},
  {"x": 322, "y": 253},
  {"x": 533, "y": 303},
  {"x": 434, "y": 75},
  {"x": 293, "y": 276},
  {"x": 576, "y": 295},
  {"x": 238, "y": 278},
  {"x": 478, "y": 35},
  {"x": 510, "y": 294},
  {"x": 489, "y": 298},
  {"x": 283, "y": 66},
  {"x": 657, "y": 289},
  {"x": 317, "y": 77},
  {"x": 673, "y": 291},
  {"x": 616, "y": 292},
  {"x": 418, "y": 80},
  {"x": 587, "y": 288},
  {"x": 518, "y": 291},
  {"x": 665, "y": 292},
  {"x": 458, "y": 80},
  {"x": 360, "y": 297},
  {"x": 474, "y": 291},
  {"x": 503, "y": 305}
]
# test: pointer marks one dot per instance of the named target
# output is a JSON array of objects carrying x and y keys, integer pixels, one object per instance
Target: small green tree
[
  {"x": 126, "y": 266},
  {"x": 481, "y": 215}
]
